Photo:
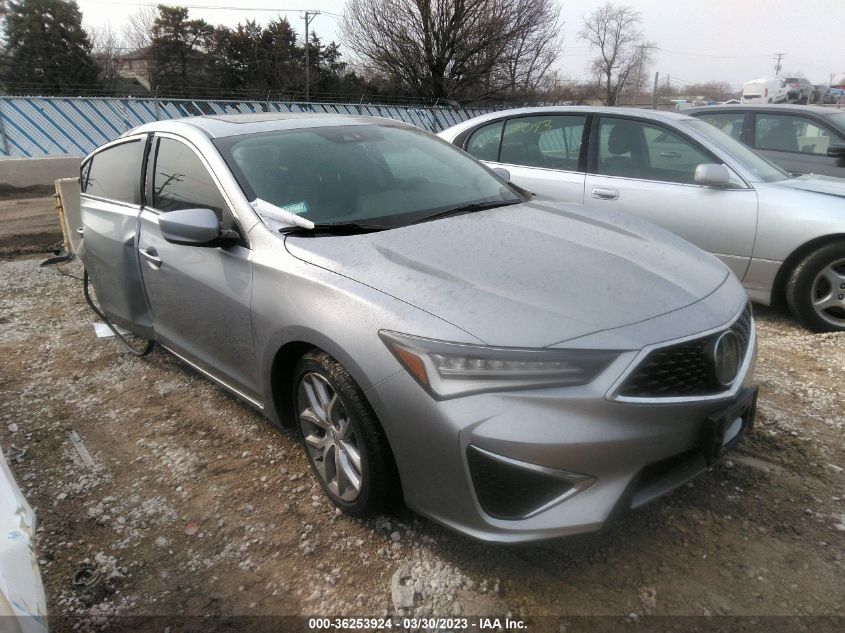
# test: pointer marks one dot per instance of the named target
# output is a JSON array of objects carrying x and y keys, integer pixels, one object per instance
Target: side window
[
  {"x": 728, "y": 122},
  {"x": 787, "y": 133},
  {"x": 484, "y": 142},
  {"x": 181, "y": 181},
  {"x": 635, "y": 149},
  {"x": 553, "y": 142},
  {"x": 115, "y": 173}
]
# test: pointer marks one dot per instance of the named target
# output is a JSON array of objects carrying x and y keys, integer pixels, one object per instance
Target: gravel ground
[{"x": 196, "y": 505}]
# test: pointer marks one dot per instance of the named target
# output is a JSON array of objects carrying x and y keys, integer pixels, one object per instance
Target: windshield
[
  {"x": 759, "y": 166},
  {"x": 366, "y": 174}
]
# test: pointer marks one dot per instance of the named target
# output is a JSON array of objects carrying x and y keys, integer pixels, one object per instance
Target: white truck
[{"x": 765, "y": 90}]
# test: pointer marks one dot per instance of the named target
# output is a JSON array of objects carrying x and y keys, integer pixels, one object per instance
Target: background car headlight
[{"x": 447, "y": 370}]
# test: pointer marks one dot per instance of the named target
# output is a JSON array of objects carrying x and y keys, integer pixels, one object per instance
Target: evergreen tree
[
  {"x": 46, "y": 50},
  {"x": 179, "y": 50}
]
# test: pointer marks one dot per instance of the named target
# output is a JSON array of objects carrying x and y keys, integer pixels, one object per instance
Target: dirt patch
[
  {"x": 196, "y": 505},
  {"x": 8, "y": 191},
  {"x": 28, "y": 226}
]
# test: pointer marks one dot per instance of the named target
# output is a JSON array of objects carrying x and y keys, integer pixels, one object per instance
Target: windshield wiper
[
  {"x": 335, "y": 228},
  {"x": 468, "y": 208}
]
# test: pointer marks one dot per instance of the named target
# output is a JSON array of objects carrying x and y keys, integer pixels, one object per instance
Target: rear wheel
[
  {"x": 815, "y": 291},
  {"x": 342, "y": 437}
]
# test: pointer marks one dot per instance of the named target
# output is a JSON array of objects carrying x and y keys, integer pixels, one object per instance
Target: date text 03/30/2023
[{"x": 415, "y": 624}]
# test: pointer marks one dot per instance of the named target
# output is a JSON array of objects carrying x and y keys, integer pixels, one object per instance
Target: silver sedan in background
[
  {"x": 783, "y": 236},
  {"x": 513, "y": 369}
]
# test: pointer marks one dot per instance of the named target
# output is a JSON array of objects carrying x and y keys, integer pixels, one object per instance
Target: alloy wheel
[
  {"x": 329, "y": 436},
  {"x": 828, "y": 293}
]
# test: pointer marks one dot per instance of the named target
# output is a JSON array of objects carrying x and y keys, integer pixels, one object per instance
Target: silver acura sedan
[
  {"x": 513, "y": 369},
  {"x": 783, "y": 236}
]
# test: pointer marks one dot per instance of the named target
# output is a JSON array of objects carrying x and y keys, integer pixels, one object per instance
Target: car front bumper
[{"x": 462, "y": 461}]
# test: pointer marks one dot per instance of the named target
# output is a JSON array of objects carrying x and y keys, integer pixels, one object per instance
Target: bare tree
[
  {"x": 461, "y": 50},
  {"x": 622, "y": 53},
  {"x": 137, "y": 37},
  {"x": 138, "y": 30},
  {"x": 710, "y": 90},
  {"x": 106, "y": 47}
]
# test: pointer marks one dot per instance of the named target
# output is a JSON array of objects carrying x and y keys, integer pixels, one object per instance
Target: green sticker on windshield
[{"x": 297, "y": 208}]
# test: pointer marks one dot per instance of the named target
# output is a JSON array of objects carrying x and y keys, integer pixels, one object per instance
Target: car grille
[
  {"x": 506, "y": 491},
  {"x": 684, "y": 369}
]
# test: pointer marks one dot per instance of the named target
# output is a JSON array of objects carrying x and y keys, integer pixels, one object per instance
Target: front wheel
[
  {"x": 343, "y": 440},
  {"x": 815, "y": 291}
]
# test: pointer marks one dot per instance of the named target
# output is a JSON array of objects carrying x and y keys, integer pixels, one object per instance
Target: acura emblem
[{"x": 726, "y": 358}]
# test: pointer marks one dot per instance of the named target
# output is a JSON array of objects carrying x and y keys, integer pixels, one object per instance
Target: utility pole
[
  {"x": 309, "y": 15},
  {"x": 639, "y": 73},
  {"x": 779, "y": 57},
  {"x": 654, "y": 92}
]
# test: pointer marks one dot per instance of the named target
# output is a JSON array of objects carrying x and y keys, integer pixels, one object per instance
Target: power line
[
  {"x": 212, "y": 7},
  {"x": 709, "y": 56}
]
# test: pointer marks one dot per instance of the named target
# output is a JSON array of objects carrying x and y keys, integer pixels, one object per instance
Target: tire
[
  {"x": 323, "y": 392},
  {"x": 815, "y": 289}
]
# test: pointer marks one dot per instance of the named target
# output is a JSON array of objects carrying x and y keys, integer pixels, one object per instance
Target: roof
[
  {"x": 643, "y": 113},
  {"x": 646, "y": 113},
  {"x": 223, "y": 125},
  {"x": 769, "y": 107}
]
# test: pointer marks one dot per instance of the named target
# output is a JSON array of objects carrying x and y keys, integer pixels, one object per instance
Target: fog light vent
[{"x": 510, "y": 489}]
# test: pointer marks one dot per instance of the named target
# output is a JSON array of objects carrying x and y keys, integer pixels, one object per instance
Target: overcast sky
[{"x": 699, "y": 40}]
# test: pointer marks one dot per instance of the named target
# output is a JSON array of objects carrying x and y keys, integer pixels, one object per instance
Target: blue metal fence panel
[{"x": 73, "y": 126}]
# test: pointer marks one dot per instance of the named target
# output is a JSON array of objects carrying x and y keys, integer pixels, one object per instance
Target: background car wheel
[
  {"x": 343, "y": 440},
  {"x": 815, "y": 291}
]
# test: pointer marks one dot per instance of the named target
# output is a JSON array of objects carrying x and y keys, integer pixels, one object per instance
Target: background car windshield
[
  {"x": 759, "y": 166},
  {"x": 837, "y": 119},
  {"x": 371, "y": 174}
]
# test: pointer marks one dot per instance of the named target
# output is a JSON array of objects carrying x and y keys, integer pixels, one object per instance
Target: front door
[
  {"x": 199, "y": 296},
  {"x": 647, "y": 169},
  {"x": 797, "y": 143}
]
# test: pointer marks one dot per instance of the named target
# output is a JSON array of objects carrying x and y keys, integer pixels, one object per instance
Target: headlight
[{"x": 447, "y": 370}]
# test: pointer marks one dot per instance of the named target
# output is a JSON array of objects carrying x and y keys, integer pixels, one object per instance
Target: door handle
[
  {"x": 151, "y": 256},
  {"x": 600, "y": 193},
  {"x": 670, "y": 154}
]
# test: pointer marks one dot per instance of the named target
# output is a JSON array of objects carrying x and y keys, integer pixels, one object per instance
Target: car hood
[
  {"x": 828, "y": 185},
  {"x": 527, "y": 275}
]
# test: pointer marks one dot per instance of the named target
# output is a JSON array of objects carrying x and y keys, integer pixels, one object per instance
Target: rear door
[
  {"x": 796, "y": 142},
  {"x": 110, "y": 203},
  {"x": 199, "y": 295},
  {"x": 648, "y": 169},
  {"x": 543, "y": 153}
]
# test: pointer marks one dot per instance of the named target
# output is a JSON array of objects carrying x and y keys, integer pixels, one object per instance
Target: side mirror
[
  {"x": 712, "y": 175},
  {"x": 837, "y": 150},
  {"x": 192, "y": 227},
  {"x": 502, "y": 173}
]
